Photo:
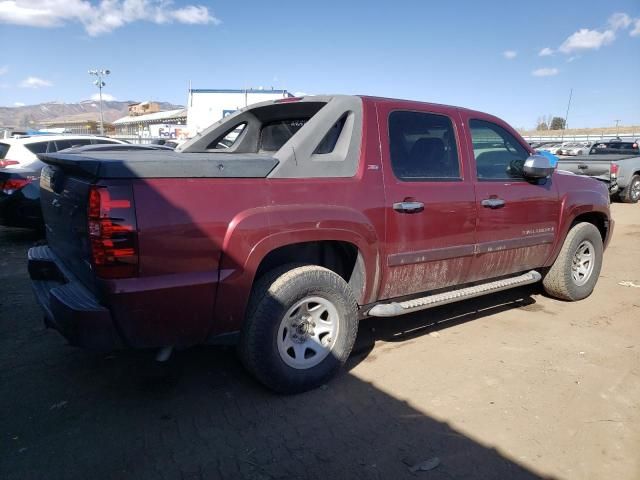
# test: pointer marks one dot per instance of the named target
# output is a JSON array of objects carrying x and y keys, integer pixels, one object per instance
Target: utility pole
[
  {"x": 99, "y": 73},
  {"x": 566, "y": 117}
]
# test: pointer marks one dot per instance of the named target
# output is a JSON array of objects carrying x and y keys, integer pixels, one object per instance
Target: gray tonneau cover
[{"x": 163, "y": 164}]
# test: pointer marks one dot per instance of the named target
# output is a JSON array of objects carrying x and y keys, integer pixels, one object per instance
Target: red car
[{"x": 282, "y": 225}]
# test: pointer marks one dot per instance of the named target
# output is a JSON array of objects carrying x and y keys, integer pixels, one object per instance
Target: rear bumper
[{"x": 68, "y": 306}]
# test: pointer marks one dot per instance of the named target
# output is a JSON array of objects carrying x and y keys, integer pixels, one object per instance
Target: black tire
[
  {"x": 631, "y": 194},
  {"x": 271, "y": 298},
  {"x": 559, "y": 281}
]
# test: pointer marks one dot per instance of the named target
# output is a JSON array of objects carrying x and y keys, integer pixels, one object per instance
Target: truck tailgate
[
  {"x": 64, "y": 198},
  {"x": 591, "y": 166}
]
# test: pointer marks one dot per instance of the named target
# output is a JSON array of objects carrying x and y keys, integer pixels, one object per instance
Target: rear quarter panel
[{"x": 201, "y": 242}]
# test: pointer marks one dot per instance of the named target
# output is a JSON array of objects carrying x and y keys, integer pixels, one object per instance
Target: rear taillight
[
  {"x": 5, "y": 163},
  {"x": 11, "y": 186},
  {"x": 113, "y": 231},
  {"x": 614, "y": 169}
]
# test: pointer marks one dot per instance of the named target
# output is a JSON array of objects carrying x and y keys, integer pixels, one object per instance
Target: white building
[
  {"x": 206, "y": 106},
  {"x": 166, "y": 124}
]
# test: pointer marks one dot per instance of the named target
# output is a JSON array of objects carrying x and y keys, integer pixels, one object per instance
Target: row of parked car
[
  {"x": 588, "y": 147},
  {"x": 616, "y": 163},
  {"x": 20, "y": 171}
]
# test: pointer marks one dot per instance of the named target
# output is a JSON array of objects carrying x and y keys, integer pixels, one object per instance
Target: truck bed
[
  {"x": 163, "y": 164},
  {"x": 597, "y": 166}
]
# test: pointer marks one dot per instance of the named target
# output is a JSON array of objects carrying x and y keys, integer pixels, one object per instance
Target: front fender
[{"x": 581, "y": 195}]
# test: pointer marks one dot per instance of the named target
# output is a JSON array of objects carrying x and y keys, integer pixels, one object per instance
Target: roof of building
[
  {"x": 152, "y": 117},
  {"x": 240, "y": 90}
]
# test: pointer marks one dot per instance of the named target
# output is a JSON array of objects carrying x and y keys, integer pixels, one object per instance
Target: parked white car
[
  {"x": 577, "y": 148},
  {"x": 554, "y": 148},
  {"x": 20, "y": 152}
]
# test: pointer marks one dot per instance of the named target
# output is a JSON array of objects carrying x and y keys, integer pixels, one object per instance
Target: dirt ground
[{"x": 512, "y": 386}]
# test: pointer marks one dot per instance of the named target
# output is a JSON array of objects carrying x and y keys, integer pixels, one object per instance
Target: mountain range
[{"x": 31, "y": 115}]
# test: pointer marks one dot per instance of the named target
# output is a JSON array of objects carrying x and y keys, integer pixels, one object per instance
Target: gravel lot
[{"x": 511, "y": 386}]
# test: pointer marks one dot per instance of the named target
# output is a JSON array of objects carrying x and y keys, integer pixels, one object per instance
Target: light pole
[
  {"x": 617, "y": 122},
  {"x": 99, "y": 73}
]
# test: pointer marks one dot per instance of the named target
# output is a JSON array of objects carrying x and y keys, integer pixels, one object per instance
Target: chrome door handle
[
  {"x": 408, "y": 207},
  {"x": 493, "y": 203}
]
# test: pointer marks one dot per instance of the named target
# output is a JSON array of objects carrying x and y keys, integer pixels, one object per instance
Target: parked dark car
[
  {"x": 20, "y": 187},
  {"x": 20, "y": 197}
]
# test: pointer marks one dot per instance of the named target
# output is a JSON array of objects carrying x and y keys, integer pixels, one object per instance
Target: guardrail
[{"x": 629, "y": 137}]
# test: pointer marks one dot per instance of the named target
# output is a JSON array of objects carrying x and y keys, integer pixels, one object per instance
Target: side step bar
[{"x": 409, "y": 306}]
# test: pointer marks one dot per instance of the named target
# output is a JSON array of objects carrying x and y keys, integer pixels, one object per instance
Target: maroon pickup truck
[{"x": 284, "y": 224}]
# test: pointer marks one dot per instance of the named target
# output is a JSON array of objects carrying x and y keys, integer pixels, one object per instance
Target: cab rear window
[
  {"x": 4, "y": 148},
  {"x": 274, "y": 135}
]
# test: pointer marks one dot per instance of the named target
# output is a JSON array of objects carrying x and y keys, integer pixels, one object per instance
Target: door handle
[
  {"x": 408, "y": 207},
  {"x": 493, "y": 203}
]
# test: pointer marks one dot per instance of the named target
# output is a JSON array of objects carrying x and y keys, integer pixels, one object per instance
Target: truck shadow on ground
[
  {"x": 68, "y": 413},
  {"x": 414, "y": 325}
]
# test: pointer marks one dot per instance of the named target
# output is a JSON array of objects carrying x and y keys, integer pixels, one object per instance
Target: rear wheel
[
  {"x": 575, "y": 272},
  {"x": 631, "y": 194},
  {"x": 300, "y": 328}
]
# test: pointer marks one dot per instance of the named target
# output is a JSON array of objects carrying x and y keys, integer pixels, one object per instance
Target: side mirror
[{"x": 538, "y": 166}]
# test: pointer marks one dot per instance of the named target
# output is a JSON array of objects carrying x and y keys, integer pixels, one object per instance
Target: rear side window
[
  {"x": 274, "y": 135},
  {"x": 38, "y": 147},
  {"x": 330, "y": 140},
  {"x": 62, "y": 144},
  {"x": 423, "y": 147},
  {"x": 498, "y": 155},
  {"x": 4, "y": 148}
]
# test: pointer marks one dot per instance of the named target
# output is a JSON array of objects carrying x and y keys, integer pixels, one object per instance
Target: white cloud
[
  {"x": 619, "y": 20},
  {"x": 103, "y": 16},
  {"x": 35, "y": 82},
  {"x": 509, "y": 54},
  {"x": 19, "y": 104},
  {"x": 545, "y": 72},
  {"x": 105, "y": 97},
  {"x": 545, "y": 52},
  {"x": 3, "y": 70},
  {"x": 585, "y": 39}
]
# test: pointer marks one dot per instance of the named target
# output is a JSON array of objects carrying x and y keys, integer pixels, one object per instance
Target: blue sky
[{"x": 447, "y": 52}]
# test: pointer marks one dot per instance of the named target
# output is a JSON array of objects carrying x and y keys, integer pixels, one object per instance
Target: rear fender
[{"x": 254, "y": 233}]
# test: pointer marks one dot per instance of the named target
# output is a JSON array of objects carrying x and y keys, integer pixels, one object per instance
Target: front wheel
[
  {"x": 574, "y": 274},
  {"x": 631, "y": 194},
  {"x": 300, "y": 328}
]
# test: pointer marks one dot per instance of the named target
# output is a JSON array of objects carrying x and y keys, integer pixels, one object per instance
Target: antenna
[{"x": 566, "y": 117}]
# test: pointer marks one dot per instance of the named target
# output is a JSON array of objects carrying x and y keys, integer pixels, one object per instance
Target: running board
[{"x": 400, "y": 308}]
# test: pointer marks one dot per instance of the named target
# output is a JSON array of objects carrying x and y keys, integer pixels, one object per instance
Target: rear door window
[
  {"x": 100, "y": 141},
  {"x": 62, "y": 144},
  {"x": 423, "y": 147},
  {"x": 38, "y": 147}
]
